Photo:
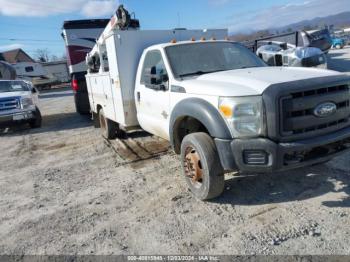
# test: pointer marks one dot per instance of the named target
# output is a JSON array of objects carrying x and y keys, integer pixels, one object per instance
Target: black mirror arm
[{"x": 162, "y": 87}]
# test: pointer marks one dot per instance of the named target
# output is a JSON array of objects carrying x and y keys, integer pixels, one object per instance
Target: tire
[
  {"x": 96, "y": 120},
  {"x": 81, "y": 106},
  {"x": 201, "y": 166},
  {"x": 80, "y": 109},
  {"x": 108, "y": 127},
  {"x": 36, "y": 122}
]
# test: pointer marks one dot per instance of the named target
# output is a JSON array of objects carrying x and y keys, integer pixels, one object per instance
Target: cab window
[
  {"x": 153, "y": 59},
  {"x": 94, "y": 63}
]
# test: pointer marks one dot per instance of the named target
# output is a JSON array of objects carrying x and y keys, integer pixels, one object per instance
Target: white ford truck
[
  {"x": 19, "y": 103},
  {"x": 219, "y": 105}
]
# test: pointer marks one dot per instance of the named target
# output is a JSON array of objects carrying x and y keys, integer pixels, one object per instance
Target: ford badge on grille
[{"x": 325, "y": 109}]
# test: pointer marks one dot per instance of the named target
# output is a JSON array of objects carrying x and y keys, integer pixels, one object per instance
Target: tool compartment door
[
  {"x": 108, "y": 102},
  {"x": 115, "y": 85}
]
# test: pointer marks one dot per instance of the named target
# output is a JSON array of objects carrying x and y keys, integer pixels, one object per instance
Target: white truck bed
[{"x": 114, "y": 90}]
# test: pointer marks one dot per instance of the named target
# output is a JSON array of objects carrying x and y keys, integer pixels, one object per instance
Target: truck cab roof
[{"x": 165, "y": 45}]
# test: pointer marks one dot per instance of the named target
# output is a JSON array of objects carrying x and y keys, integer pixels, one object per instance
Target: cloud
[
  {"x": 10, "y": 47},
  {"x": 35, "y": 8},
  {"x": 282, "y": 15},
  {"x": 103, "y": 7}
]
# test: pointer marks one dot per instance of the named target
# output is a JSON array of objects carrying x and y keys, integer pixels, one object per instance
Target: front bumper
[
  {"x": 15, "y": 117},
  {"x": 282, "y": 156}
]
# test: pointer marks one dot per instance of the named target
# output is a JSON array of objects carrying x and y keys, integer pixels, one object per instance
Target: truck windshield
[
  {"x": 13, "y": 86},
  {"x": 202, "y": 58}
]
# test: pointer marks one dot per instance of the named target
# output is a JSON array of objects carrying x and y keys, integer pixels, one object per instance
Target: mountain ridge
[{"x": 337, "y": 20}]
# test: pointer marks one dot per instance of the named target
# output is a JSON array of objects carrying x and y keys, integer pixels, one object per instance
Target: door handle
[{"x": 138, "y": 95}]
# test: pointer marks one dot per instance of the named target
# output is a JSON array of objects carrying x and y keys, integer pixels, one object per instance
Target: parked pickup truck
[
  {"x": 18, "y": 103},
  {"x": 219, "y": 105}
]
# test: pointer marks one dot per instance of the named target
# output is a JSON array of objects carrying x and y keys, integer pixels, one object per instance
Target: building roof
[
  {"x": 16, "y": 55},
  {"x": 54, "y": 63}
]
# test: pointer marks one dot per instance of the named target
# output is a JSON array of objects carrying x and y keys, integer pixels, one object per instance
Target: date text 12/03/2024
[{"x": 173, "y": 258}]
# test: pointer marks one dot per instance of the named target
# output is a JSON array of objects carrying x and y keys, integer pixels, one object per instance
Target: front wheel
[
  {"x": 36, "y": 122},
  {"x": 201, "y": 166}
]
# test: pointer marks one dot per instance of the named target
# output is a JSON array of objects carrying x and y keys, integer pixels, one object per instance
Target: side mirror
[
  {"x": 34, "y": 91},
  {"x": 155, "y": 80}
]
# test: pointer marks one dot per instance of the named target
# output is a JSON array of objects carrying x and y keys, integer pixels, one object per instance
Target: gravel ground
[{"x": 65, "y": 190}]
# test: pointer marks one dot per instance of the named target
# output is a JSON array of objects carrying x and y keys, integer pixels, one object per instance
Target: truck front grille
[
  {"x": 298, "y": 116},
  {"x": 10, "y": 103}
]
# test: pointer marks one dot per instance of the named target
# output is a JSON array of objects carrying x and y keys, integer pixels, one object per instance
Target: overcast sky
[{"x": 33, "y": 24}]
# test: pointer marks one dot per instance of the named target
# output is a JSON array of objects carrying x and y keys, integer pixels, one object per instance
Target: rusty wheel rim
[{"x": 193, "y": 167}]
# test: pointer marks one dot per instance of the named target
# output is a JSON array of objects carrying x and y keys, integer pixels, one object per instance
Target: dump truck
[{"x": 218, "y": 104}]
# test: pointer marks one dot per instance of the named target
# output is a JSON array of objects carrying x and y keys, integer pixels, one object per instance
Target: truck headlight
[
  {"x": 244, "y": 115},
  {"x": 27, "y": 102}
]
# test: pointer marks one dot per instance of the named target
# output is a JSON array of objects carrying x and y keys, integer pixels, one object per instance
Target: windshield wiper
[{"x": 200, "y": 73}]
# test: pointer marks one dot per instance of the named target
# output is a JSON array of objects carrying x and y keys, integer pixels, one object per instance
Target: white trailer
[
  {"x": 29, "y": 69},
  {"x": 59, "y": 69},
  {"x": 35, "y": 73}
]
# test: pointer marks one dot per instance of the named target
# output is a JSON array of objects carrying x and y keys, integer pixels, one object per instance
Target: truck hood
[
  {"x": 13, "y": 94},
  {"x": 249, "y": 81}
]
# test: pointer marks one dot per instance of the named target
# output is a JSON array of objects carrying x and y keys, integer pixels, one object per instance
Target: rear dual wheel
[
  {"x": 109, "y": 128},
  {"x": 201, "y": 166}
]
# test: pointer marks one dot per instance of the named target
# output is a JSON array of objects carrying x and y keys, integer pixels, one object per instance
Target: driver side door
[{"x": 152, "y": 100}]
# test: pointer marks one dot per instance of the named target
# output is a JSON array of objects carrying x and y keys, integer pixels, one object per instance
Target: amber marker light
[{"x": 226, "y": 110}]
